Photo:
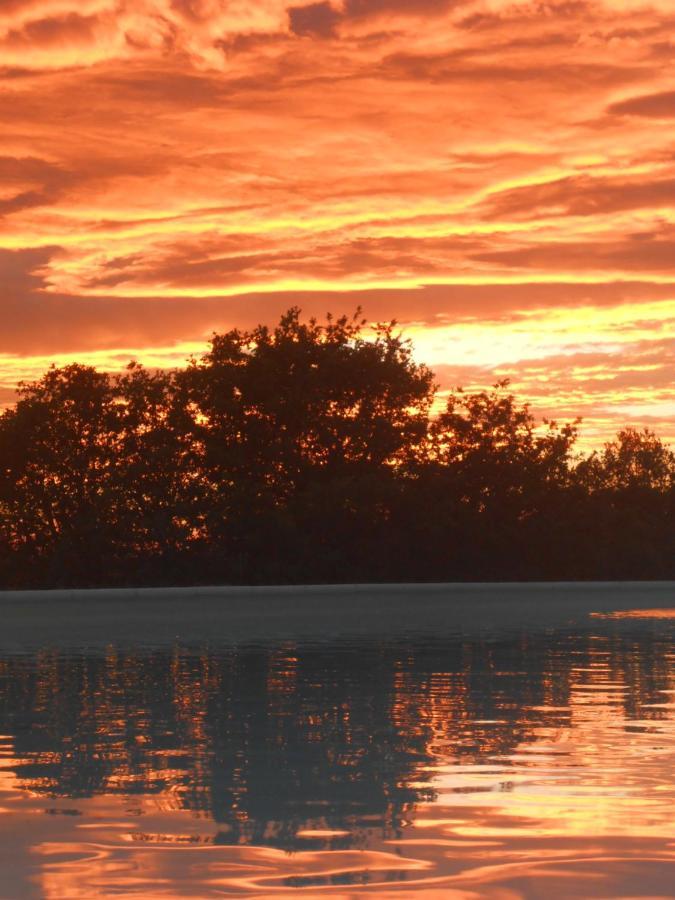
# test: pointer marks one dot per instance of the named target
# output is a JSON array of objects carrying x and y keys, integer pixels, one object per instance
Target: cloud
[
  {"x": 611, "y": 357},
  {"x": 582, "y": 195},
  {"x": 52, "y": 33},
  {"x": 646, "y": 252},
  {"x": 20, "y": 270},
  {"x": 240, "y": 260},
  {"x": 657, "y": 106},
  {"x": 317, "y": 19},
  {"x": 38, "y": 321},
  {"x": 460, "y": 67},
  {"x": 71, "y": 28},
  {"x": 30, "y": 182},
  {"x": 608, "y": 391},
  {"x": 414, "y": 8},
  {"x": 72, "y": 32},
  {"x": 497, "y": 175}
]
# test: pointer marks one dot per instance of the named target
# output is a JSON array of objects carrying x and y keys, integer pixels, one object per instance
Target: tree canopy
[{"x": 308, "y": 453}]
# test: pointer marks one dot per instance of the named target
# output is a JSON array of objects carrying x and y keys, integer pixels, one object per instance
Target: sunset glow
[{"x": 497, "y": 175}]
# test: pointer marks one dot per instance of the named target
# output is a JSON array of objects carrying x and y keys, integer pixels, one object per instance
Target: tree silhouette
[
  {"x": 491, "y": 477},
  {"x": 95, "y": 469},
  {"x": 302, "y": 428},
  {"x": 636, "y": 460},
  {"x": 630, "y": 486},
  {"x": 308, "y": 452},
  {"x": 57, "y": 492}
]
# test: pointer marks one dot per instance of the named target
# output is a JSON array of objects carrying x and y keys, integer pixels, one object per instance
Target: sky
[{"x": 496, "y": 175}]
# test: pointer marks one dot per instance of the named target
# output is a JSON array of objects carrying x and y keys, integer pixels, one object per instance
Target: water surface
[{"x": 497, "y": 757}]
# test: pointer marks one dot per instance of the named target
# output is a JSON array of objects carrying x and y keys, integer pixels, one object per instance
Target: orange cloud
[
  {"x": 658, "y": 106},
  {"x": 487, "y": 174}
]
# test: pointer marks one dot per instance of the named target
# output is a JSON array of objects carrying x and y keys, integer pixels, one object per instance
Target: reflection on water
[
  {"x": 497, "y": 765},
  {"x": 636, "y": 614}
]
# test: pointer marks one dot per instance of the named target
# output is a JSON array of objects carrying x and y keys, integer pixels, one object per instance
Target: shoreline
[
  {"x": 351, "y": 588},
  {"x": 156, "y": 617}
]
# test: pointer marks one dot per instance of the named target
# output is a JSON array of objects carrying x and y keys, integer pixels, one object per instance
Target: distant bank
[{"x": 160, "y": 616}]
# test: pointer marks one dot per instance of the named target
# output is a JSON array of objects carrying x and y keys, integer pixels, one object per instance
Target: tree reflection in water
[{"x": 307, "y": 745}]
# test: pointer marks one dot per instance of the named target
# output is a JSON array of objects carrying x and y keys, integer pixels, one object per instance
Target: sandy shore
[{"x": 160, "y": 616}]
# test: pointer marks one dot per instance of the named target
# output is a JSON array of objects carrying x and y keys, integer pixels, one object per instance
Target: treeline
[{"x": 308, "y": 453}]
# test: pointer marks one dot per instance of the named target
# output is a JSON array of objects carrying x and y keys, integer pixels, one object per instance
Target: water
[{"x": 493, "y": 758}]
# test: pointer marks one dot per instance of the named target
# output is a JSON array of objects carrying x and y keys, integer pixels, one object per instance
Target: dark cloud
[
  {"x": 240, "y": 259},
  {"x": 41, "y": 183},
  {"x": 658, "y": 106},
  {"x": 581, "y": 195},
  {"x": 643, "y": 253},
  {"x": 370, "y": 8},
  {"x": 20, "y": 169},
  {"x": 51, "y": 180},
  {"x": 150, "y": 87},
  {"x": 514, "y": 14},
  {"x": 239, "y": 262},
  {"x": 20, "y": 271},
  {"x": 320, "y": 19},
  {"x": 223, "y": 271},
  {"x": 316, "y": 19},
  {"x": 465, "y": 65},
  {"x": 24, "y": 200},
  {"x": 56, "y": 30}
]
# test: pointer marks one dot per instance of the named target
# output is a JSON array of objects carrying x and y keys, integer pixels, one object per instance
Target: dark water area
[{"x": 489, "y": 759}]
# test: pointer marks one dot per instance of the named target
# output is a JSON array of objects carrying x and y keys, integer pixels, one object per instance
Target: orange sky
[{"x": 499, "y": 175}]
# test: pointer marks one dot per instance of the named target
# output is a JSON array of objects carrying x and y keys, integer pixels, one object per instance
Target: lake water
[{"x": 479, "y": 750}]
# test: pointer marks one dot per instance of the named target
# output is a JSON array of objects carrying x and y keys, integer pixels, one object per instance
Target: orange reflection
[
  {"x": 636, "y": 614},
  {"x": 495, "y": 767}
]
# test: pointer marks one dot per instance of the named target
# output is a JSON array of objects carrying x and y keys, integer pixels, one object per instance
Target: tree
[
  {"x": 293, "y": 422},
  {"x": 496, "y": 476},
  {"x": 630, "y": 490},
  {"x": 635, "y": 460},
  {"x": 55, "y": 447},
  {"x": 96, "y": 476},
  {"x": 307, "y": 452}
]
